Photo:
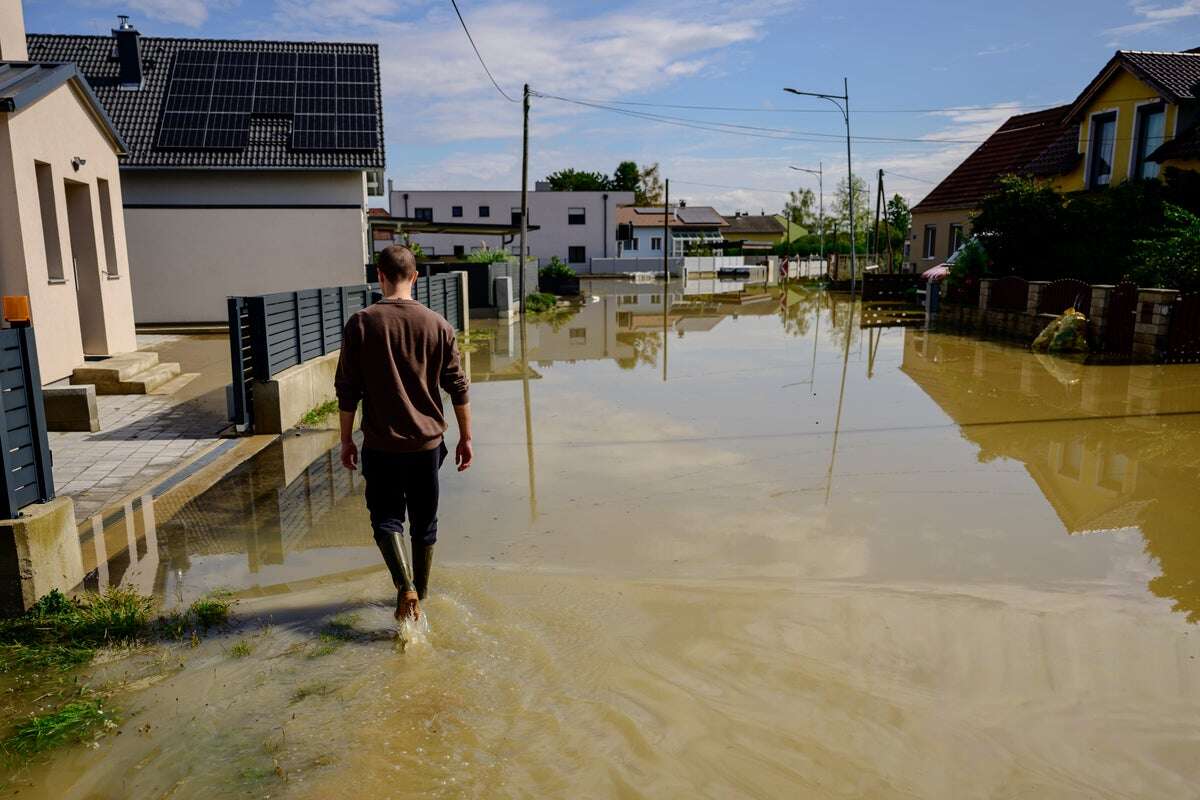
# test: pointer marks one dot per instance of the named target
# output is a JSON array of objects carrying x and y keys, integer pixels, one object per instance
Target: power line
[
  {"x": 754, "y": 131},
  {"x": 735, "y": 188},
  {"x": 751, "y": 109},
  {"x": 478, "y": 54},
  {"x": 908, "y": 177}
]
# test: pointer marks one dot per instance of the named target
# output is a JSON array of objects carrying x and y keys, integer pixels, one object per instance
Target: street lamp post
[
  {"x": 820, "y": 173},
  {"x": 842, "y": 101}
]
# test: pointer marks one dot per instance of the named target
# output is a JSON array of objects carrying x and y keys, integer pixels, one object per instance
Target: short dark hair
[{"x": 397, "y": 263}]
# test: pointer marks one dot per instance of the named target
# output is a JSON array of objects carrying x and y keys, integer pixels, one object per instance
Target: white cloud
[
  {"x": 192, "y": 13},
  {"x": 1153, "y": 16},
  {"x": 1001, "y": 49}
]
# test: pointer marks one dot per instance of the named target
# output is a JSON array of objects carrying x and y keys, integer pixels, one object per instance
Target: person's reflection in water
[{"x": 394, "y": 356}]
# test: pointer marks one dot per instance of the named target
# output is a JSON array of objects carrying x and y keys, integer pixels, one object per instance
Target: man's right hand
[{"x": 350, "y": 456}]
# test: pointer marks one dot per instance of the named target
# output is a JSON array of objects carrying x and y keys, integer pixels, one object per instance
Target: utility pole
[
  {"x": 666, "y": 228},
  {"x": 524, "y": 201},
  {"x": 850, "y": 186},
  {"x": 878, "y": 206}
]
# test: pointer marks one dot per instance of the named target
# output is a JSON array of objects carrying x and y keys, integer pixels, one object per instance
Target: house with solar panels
[
  {"x": 247, "y": 163},
  {"x": 62, "y": 239}
]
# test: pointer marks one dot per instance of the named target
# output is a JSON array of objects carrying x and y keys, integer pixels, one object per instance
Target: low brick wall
[{"x": 1151, "y": 330}]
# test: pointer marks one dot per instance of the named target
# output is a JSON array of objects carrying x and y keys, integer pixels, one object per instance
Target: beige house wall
[
  {"x": 55, "y": 130},
  {"x": 12, "y": 32},
  {"x": 187, "y": 261},
  {"x": 942, "y": 220}
]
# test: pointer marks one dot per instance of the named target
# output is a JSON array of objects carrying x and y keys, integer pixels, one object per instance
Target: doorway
[{"x": 86, "y": 260}]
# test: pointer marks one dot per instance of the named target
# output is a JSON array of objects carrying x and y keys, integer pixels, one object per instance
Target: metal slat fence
[
  {"x": 24, "y": 448},
  {"x": 269, "y": 333}
]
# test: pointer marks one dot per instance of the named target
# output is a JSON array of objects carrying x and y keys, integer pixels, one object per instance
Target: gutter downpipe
[{"x": 604, "y": 233}]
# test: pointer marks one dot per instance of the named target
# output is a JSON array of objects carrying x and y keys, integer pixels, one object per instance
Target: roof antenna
[{"x": 124, "y": 22}]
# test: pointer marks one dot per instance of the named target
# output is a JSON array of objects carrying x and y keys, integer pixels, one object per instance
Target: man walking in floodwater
[{"x": 395, "y": 355}]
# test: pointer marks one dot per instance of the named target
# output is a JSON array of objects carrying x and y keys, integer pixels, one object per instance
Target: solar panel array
[{"x": 330, "y": 98}]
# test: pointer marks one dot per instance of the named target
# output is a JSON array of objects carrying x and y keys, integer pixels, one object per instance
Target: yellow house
[
  {"x": 754, "y": 231},
  {"x": 1136, "y": 118}
]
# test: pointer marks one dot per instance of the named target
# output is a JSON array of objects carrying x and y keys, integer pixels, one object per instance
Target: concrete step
[
  {"x": 143, "y": 382},
  {"x": 175, "y": 384},
  {"x": 120, "y": 367}
]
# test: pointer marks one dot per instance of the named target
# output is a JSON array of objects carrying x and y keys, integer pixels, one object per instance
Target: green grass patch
[
  {"x": 43, "y": 657},
  {"x": 318, "y": 415},
  {"x": 240, "y": 650},
  {"x": 209, "y": 612},
  {"x": 80, "y": 720},
  {"x": 540, "y": 301},
  {"x": 65, "y": 627}
]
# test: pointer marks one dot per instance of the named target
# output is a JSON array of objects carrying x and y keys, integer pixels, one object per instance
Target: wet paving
[{"x": 719, "y": 540}]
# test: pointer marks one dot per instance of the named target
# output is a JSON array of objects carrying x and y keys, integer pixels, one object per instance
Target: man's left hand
[{"x": 463, "y": 454}]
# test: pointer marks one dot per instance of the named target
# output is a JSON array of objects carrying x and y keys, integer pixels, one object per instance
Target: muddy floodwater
[{"x": 727, "y": 545}]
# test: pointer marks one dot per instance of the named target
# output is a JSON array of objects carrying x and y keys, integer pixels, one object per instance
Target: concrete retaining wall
[
  {"x": 280, "y": 402},
  {"x": 39, "y": 553}
]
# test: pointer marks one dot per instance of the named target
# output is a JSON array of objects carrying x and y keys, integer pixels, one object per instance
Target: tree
[
  {"x": 1173, "y": 257},
  {"x": 841, "y": 206},
  {"x": 801, "y": 208},
  {"x": 650, "y": 188},
  {"x": 573, "y": 180},
  {"x": 898, "y": 215},
  {"x": 626, "y": 177}
]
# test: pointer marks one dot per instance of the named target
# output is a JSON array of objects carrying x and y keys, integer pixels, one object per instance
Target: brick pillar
[
  {"x": 1101, "y": 293},
  {"x": 1153, "y": 322},
  {"x": 1035, "y": 296},
  {"x": 985, "y": 289}
]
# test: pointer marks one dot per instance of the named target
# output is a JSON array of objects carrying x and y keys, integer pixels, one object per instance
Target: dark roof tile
[
  {"x": 136, "y": 112},
  {"x": 1031, "y": 143},
  {"x": 753, "y": 224}
]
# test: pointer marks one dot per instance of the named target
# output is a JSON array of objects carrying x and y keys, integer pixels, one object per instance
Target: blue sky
[{"x": 447, "y": 127}]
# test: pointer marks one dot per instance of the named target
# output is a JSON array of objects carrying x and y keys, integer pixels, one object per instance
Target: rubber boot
[
  {"x": 422, "y": 564},
  {"x": 391, "y": 546}
]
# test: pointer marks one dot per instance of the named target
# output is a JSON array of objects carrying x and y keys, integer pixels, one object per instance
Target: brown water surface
[{"x": 738, "y": 547}]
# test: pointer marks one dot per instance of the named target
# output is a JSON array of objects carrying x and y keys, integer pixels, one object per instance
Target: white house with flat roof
[
  {"x": 247, "y": 162},
  {"x": 574, "y": 226}
]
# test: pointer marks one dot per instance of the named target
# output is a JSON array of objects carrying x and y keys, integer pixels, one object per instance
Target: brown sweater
[{"x": 394, "y": 356}]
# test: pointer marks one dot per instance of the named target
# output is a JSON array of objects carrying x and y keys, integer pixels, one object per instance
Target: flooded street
[{"x": 727, "y": 545}]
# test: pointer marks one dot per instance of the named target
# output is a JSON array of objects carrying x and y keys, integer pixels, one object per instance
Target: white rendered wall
[
  {"x": 199, "y": 236},
  {"x": 54, "y": 130},
  {"x": 548, "y": 210}
]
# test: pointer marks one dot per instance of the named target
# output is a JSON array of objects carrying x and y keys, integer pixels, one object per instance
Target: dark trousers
[{"x": 403, "y": 482}]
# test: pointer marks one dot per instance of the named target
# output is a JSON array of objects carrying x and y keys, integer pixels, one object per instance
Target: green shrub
[
  {"x": 556, "y": 269},
  {"x": 1173, "y": 257},
  {"x": 540, "y": 301}
]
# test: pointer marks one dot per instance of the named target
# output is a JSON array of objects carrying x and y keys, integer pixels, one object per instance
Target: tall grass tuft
[{"x": 77, "y": 721}]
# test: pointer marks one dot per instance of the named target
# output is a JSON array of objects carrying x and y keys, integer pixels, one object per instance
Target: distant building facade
[
  {"x": 574, "y": 226},
  {"x": 263, "y": 190},
  {"x": 62, "y": 237},
  {"x": 642, "y": 230},
  {"x": 754, "y": 231}
]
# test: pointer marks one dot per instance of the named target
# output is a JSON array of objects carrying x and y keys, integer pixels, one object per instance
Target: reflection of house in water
[
  {"x": 1110, "y": 447},
  {"x": 621, "y": 321}
]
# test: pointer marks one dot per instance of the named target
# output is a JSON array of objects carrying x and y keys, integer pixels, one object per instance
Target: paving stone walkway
[{"x": 141, "y": 438}]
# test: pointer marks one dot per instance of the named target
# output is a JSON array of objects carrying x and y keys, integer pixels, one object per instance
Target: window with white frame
[
  {"x": 456, "y": 211},
  {"x": 425, "y": 214},
  {"x": 956, "y": 237},
  {"x": 1151, "y": 128},
  {"x": 656, "y": 243},
  {"x": 1102, "y": 135},
  {"x": 631, "y": 244},
  {"x": 576, "y": 216},
  {"x": 930, "y": 246}
]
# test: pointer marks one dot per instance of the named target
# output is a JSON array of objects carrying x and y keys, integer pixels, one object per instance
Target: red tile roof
[{"x": 1027, "y": 144}]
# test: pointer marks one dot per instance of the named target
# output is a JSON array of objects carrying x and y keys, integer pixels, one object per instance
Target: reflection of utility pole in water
[
  {"x": 874, "y": 337},
  {"x": 812, "y": 374},
  {"x": 528, "y": 422},
  {"x": 837, "y": 425},
  {"x": 666, "y": 268}
]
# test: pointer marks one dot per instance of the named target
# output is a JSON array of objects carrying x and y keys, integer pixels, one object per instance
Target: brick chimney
[{"x": 128, "y": 53}]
